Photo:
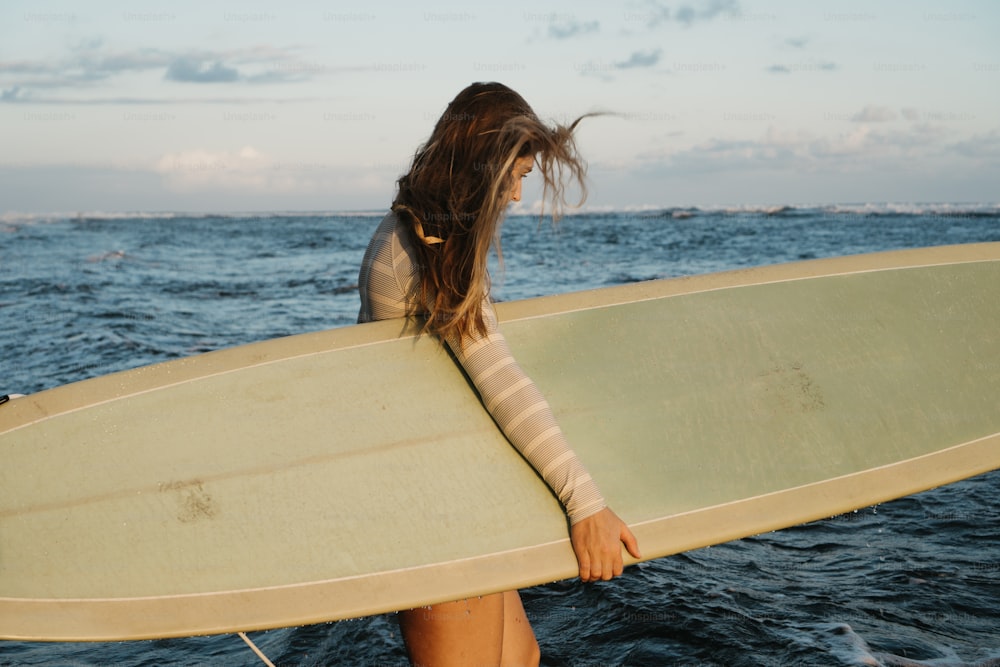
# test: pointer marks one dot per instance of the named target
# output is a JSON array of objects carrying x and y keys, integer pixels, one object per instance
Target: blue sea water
[{"x": 912, "y": 582}]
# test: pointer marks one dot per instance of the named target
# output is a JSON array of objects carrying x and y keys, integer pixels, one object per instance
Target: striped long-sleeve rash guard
[{"x": 388, "y": 282}]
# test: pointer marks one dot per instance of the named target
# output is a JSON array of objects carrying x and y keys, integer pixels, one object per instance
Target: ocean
[{"x": 911, "y": 582}]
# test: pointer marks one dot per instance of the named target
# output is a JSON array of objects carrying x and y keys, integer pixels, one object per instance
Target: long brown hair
[{"x": 454, "y": 196}]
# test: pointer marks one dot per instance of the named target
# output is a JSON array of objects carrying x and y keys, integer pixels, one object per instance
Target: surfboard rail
[{"x": 171, "y": 500}]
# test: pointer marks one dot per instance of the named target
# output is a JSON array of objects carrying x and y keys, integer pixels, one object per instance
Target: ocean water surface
[{"x": 912, "y": 582}]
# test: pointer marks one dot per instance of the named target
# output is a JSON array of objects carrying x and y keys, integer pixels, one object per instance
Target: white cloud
[
  {"x": 863, "y": 148},
  {"x": 147, "y": 187},
  {"x": 873, "y": 114},
  {"x": 254, "y": 173},
  {"x": 199, "y": 169}
]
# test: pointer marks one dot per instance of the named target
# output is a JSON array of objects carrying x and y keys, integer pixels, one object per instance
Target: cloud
[
  {"x": 256, "y": 183},
  {"x": 13, "y": 96},
  {"x": 687, "y": 14},
  {"x": 605, "y": 70},
  {"x": 983, "y": 147},
  {"x": 194, "y": 71},
  {"x": 200, "y": 169},
  {"x": 640, "y": 59},
  {"x": 128, "y": 61},
  {"x": 873, "y": 114},
  {"x": 21, "y": 67},
  {"x": 90, "y": 62},
  {"x": 249, "y": 172},
  {"x": 572, "y": 28},
  {"x": 862, "y": 149},
  {"x": 86, "y": 63},
  {"x": 802, "y": 67}
]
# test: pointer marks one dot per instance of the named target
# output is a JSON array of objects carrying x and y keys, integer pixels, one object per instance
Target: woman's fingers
[
  {"x": 631, "y": 544},
  {"x": 597, "y": 542}
]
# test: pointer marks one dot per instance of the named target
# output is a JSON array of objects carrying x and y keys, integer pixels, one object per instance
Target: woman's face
[{"x": 522, "y": 167}]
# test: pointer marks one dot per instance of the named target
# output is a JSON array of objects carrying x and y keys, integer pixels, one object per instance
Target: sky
[{"x": 286, "y": 106}]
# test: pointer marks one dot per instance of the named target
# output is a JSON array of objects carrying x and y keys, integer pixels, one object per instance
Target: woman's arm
[
  {"x": 526, "y": 419},
  {"x": 387, "y": 282}
]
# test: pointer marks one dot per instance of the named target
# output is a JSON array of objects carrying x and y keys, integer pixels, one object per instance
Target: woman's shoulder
[
  {"x": 397, "y": 230},
  {"x": 388, "y": 223},
  {"x": 391, "y": 246},
  {"x": 389, "y": 232}
]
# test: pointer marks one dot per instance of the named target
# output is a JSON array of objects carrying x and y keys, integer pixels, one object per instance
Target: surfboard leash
[{"x": 253, "y": 647}]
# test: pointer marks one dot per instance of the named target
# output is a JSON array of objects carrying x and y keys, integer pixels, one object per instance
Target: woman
[{"x": 428, "y": 258}]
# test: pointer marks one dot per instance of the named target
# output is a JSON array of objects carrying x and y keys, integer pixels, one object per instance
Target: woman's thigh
[
  {"x": 520, "y": 648},
  {"x": 490, "y": 630}
]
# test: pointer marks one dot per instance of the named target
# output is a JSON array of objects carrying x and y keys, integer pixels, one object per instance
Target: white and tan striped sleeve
[
  {"x": 525, "y": 417},
  {"x": 387, "y": 282},
  {"x": 387, "y": 275}
]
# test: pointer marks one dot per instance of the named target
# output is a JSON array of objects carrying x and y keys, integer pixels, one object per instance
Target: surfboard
[{"x": 354, "y": 471}]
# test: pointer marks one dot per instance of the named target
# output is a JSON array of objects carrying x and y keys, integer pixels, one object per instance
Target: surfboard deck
[{"x": 353, "y": 471}]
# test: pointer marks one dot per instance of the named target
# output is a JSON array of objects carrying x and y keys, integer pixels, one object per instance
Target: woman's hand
[{"x": 597, "y": 543}]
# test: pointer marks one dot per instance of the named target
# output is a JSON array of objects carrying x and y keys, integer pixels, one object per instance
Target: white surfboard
[{"x": 354, "y": 471}]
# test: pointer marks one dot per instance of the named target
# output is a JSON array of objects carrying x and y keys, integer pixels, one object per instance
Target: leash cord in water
[{"x": 260, "y": 654}]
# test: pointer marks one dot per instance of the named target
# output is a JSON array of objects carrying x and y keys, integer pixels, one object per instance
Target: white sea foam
[
  {"x": 19, "y": 218},
  {"x": 872, "y": 208}
]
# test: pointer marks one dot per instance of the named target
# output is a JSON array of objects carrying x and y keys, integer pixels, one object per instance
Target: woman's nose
[{"x": 515, "y": 194}]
